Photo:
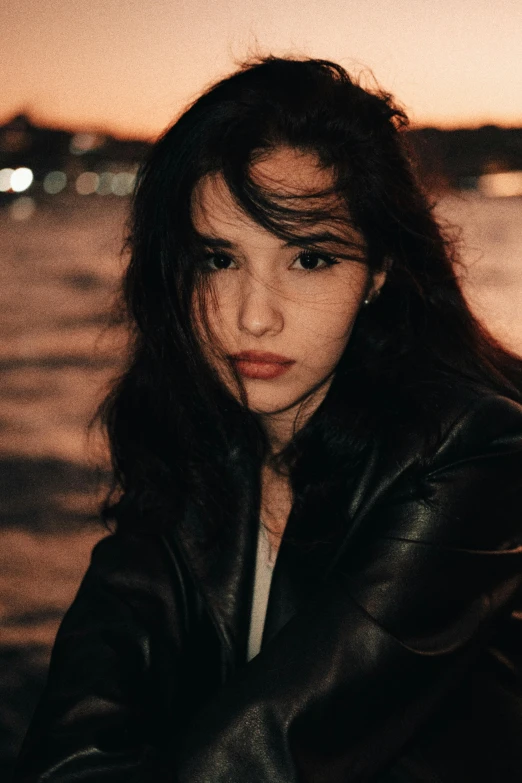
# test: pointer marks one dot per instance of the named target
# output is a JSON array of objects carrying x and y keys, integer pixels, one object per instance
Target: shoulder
[
  {"x": 444, "y": 419},
  {"x": 476, "y": 472},
  {"x": 136, "y": 569},
  {"x": 476, "y": 421},
  {"x": 476, "y": 427},
  {"x": 127, "y": 551},
  {"x": 467, "y": 423},
  {"x": 468, "y": 490}
]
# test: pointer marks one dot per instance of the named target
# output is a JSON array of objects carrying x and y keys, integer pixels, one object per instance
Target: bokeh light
[
  {"x": 123, "y": 183},
  {"x": 85, "y": 142},
  {"x": 21, "y": 179},
  {"x": 5, "y": 180},
  {"x": 501, "y": 184},
  {"x": 87, "y": 183},
  {"x": 22, "y": 208},
  {"x": 54, "y": 182},
  {"x": 104, "y": 187}
]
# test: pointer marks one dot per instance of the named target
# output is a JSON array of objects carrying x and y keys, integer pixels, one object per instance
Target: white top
[{"x": 263, "y": 578}]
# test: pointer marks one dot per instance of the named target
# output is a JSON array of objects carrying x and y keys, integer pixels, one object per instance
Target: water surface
[{"x": 59, "y": 271}]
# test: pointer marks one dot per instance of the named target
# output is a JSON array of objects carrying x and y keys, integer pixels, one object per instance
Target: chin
[{"x": 273, "y": 404}]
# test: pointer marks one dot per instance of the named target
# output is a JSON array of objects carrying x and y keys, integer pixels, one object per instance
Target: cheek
[
  {"x": 324, "y": 332},
  {"x": 220, "y": 304},
  {"x": 333, "y": 318},
  {"x": 207, "y": 306},
  {"x": 206, "y": 329}
]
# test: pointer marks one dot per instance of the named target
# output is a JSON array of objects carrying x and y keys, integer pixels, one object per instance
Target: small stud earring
[{"x": 371, "y": 297}]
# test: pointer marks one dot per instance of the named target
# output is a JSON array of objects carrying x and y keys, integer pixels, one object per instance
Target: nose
[{"x": 260, "y": 310}]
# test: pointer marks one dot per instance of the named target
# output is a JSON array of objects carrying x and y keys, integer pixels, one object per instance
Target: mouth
[
  {"x": 261, "y": 370},
  {"x": 263, "y": 357},
  {"x": 261, "y": 365}
]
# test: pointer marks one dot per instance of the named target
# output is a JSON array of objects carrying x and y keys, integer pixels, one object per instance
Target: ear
[{"x": 376, "y": 282}]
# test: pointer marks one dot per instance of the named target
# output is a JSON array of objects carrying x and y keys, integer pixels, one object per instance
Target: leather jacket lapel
[
  {"x": 223, "y": 568},
  {"x": 309, "y": 544}
]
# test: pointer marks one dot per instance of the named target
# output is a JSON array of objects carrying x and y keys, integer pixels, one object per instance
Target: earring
[{"x": 372, "y": 297}]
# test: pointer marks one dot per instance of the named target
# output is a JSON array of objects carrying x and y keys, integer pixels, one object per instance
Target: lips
[
  {"x": 264, "y": 357},
  {"x": 261, "y": 365}
]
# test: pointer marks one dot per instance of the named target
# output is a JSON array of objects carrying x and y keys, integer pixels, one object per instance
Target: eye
[
  {"x": 309, "y": 259},
  {"x": 220, "y": 261}
]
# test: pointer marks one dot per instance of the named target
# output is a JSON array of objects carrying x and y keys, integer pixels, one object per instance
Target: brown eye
[
  {"x": 216, "y": 262},
  {"x": 312, "y": 261}
]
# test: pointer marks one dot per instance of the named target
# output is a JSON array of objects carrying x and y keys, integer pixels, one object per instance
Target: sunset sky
[{"x": 128, "y": 67}]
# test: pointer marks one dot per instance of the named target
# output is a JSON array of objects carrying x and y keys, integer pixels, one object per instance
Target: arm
[
  {"x": 352, "y": 676},
  {"x": 102, "y": 716}
]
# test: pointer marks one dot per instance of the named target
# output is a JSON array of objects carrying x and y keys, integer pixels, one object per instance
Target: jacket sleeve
[
  {"x": 102, "y": 714},
  {"x": 342, "y": 687}
]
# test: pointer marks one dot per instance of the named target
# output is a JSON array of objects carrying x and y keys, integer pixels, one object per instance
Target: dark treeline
[
  {"x": 446, "y": 159},
  {"x": 42, "y": 149},
  {"x": 456, "y": 158}
]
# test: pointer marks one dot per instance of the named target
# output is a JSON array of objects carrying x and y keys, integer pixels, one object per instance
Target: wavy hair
[{"x": 175, "y": 431}]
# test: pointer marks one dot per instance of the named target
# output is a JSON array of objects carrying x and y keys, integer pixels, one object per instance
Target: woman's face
[{"x": 269, "y": 296}]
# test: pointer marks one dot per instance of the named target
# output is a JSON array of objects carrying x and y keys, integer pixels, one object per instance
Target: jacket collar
[
  {"x": 223, "y": 568},
  {"x": 314, "y": 538}
]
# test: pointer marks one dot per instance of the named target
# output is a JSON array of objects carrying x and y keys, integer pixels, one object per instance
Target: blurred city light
[
  {"x": 87, "y": 183},
  {"x": 85, "y": 142},
  {"x": 123, "y": 183},
  {"x": 54, "y": 182},
  {"x": 21, "y": 179},
  {"x": 501, "y": 184},
  {"x": 22, "y": 208},
  {"x": 5, "y": 180},
  {"x": 104, "y": 187}
]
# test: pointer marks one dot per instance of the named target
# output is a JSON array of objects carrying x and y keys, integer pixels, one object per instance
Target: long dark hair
[{"x": 175, "y": 431}]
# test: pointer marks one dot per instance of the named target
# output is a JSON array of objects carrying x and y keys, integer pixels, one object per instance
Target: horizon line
[{"x": 120, "y": 134}]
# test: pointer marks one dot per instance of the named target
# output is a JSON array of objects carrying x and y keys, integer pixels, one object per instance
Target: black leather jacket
[{"x": 393, "y": 653}]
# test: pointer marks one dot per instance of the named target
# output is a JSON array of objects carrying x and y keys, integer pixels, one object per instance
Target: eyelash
[{"x": 330, "y": 260}]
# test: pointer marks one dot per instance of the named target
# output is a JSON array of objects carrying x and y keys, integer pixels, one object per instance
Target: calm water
[{"x": 59, "y": 270}]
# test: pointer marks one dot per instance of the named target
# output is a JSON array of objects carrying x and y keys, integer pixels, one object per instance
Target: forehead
[
  {"x": 283, "y": 172},
  {"x": 290, "y": 171},
  {"x": 214, "y": 210}
]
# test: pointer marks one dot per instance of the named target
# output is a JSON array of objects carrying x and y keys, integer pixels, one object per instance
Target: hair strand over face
[{"x": 175, "y": 431}]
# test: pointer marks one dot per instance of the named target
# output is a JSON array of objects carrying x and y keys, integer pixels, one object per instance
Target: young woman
[{"x": 316, "y": 571}]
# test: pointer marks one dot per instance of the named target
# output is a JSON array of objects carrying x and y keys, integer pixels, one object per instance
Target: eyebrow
[
  {"x": 317, "y": 238},
  {"x": 215, "y": 241}
]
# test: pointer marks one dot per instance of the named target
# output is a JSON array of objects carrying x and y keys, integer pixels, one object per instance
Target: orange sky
[{"x": 129, "y": 66}]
